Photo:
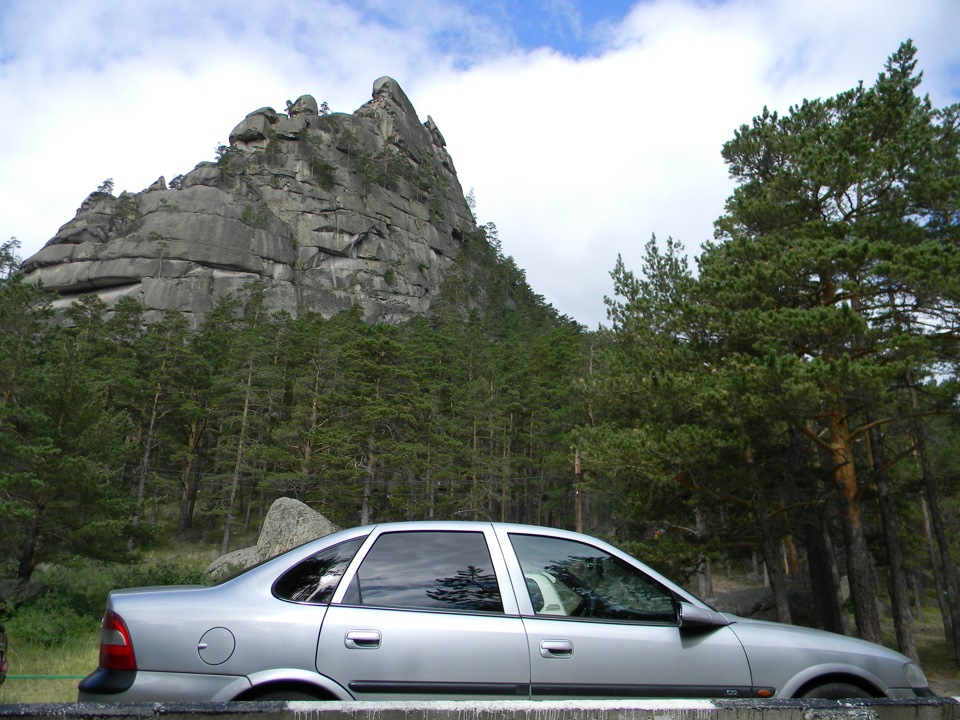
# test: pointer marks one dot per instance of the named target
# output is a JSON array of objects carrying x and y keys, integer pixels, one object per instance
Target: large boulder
[
  {"x": 288, "y": 523},
  {"x": 320, "y": 212}
]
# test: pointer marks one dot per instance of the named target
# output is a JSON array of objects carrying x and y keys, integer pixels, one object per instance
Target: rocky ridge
[{"x": 320, "y": 210}]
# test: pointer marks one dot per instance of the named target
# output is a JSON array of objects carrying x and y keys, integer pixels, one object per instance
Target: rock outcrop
[
  {"x": 321, "y": 211},
  {"x": 288, "y": 523}
]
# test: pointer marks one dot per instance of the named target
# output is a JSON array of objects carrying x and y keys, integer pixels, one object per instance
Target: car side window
[
  {"x": 570, "y": 578},
  {"x": 314, "y": 580},
  {"x": 427, "y": 570}
]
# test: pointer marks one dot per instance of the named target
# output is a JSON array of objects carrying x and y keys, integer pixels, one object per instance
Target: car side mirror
[{"x": 693, "y": 616}]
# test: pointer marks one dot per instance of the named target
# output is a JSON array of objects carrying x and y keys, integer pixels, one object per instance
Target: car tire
[{"x": 836, "y": 691}]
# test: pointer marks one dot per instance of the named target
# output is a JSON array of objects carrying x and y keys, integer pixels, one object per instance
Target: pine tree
[{"x": 831, "y": 259}]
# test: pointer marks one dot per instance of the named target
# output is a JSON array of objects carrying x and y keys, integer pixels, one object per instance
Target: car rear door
[
  {"x": 600, "y": 627},
  {"x": 426, "y": 614}
]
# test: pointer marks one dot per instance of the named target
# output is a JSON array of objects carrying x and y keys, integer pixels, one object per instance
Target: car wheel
[{"x": 836, "y": 691}]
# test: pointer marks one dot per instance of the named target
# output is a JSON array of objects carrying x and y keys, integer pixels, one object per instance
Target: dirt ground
[{"x": 944, "y": 686}]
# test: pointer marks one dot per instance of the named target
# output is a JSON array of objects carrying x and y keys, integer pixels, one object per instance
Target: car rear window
[{"x": 315, "y": 579}]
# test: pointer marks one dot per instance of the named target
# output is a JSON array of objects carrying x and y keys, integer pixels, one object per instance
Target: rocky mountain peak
[{"x": 320, "y": 210}]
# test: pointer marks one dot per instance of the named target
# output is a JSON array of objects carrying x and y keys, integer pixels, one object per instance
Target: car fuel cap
[{"x": 216, "y": 646}]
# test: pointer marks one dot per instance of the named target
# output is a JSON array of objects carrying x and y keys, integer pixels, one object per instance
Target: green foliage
[
  {"x": 162, "y": 571},
  {"x": 158, "y": 428},
  {"x": 75, "y": 592},
  {"x": 432, "y": 184},
  {"x": 126, "y": 217},
  {"x": 744, "y": 401},
  {"x": 51, "y": 624},
  {"x": 324, "y": 172},
  {"x": 231, "y": 160},
  {"x": 256, "y": 216},
  {"x": 274, "y": 147}
]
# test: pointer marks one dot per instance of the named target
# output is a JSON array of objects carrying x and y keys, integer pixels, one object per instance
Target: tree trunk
[
  {"x": 145, "y": 462},
  {"x": 898, "y": 589},
  {"x": 863, "y": 585},
  {"x": 475, "y": 479},
  {"x": 704, "y": 570},
  {"x": 821, "y": 559},
  {"x": 28, "y": 556},
  {"x": 825, "y": 591},
  {"x": 238, "y": 461},
  {"x": 769, "y": 544},
  {"x": 190, "y": 480},
  {"x": 368, "y": 483},
  {"x": 773, "y": 560},
  {"x": 935, "y": 570},
  {"x": 946, "y": 568}
]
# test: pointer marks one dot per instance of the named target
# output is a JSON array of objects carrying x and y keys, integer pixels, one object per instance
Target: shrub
[
  {"x": 170, "y": 571},
  {"x": 49, "y": 622}
]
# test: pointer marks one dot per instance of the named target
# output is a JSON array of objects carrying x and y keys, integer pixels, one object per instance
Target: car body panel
[
  {"x": 419, "y": 653},
  {"x": 629, "y": 660},
  {"x": 572, "y": 657},
  {"x": 322, "y": 685},
  {"x": 231, "y": 640},
  {"x": 813, "y": 654},
  {"x": 175, "y": 687},
  {"x": 268, "y": 633},
  {"x": 389, "y": 653}
]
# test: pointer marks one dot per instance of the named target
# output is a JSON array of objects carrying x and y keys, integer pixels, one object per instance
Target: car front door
[
  {"x": 600, "y": 627},
  {"x": 425, "y": 616}
]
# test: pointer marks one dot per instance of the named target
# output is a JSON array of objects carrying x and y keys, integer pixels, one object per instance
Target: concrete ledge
[{"x": 913, "y": 709}]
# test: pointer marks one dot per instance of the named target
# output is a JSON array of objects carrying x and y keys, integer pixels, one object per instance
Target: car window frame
[
  {"x": 507, "y": 593},
  {"x": 307, "y": 558},
  {"x": 407, "y": 543}
]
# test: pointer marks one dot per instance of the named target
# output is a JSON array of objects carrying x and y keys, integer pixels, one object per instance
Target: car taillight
[{"x": 116, "y": 649}]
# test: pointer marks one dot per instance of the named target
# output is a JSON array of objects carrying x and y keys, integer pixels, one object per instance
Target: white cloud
[
  {"x": 575, "y": 160},
  {"x": 579, "y": 160}
]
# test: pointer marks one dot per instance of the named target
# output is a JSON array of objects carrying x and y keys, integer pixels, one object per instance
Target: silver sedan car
[{"x": 464, "y": 610}]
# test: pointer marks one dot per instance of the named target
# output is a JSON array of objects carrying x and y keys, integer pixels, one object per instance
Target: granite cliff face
[{"x": 320, "y": 210}]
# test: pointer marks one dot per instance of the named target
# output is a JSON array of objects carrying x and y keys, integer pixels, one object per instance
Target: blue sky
[{"x": 582, "y": 127}]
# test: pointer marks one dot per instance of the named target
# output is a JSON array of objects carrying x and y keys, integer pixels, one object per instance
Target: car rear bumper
[{"x": 112, "y": 686}]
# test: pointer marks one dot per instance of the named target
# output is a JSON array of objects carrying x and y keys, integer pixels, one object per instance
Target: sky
[{"x": 583, "y": 127}]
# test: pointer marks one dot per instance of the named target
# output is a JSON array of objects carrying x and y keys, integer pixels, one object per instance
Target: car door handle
[
  {"x": 362, "y": 639},
  {"x": 556, "y": 648}
]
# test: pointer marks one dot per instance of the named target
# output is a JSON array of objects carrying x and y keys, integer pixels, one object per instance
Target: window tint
[
  {"x": 433, "y": 570},
  {"x": 313, "y": 580},
  {"x": 564, "y": 577}
]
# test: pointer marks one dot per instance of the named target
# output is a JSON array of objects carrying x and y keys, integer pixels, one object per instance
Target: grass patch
[
  {"x": 76, "y": 656},
  {"x": 936, "y": 657}
]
